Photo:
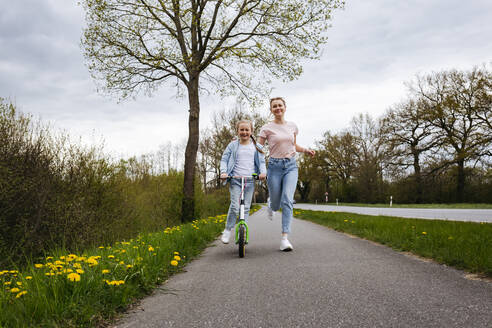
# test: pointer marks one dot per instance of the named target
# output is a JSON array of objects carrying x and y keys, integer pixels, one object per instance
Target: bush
[{"x": 54, "y": 193}]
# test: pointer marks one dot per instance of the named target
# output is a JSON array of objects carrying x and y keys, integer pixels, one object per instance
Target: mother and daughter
[{"x": 244, "y": 156}]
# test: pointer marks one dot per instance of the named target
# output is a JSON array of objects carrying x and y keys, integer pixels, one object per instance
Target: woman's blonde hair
[
  {"x": 277, "y": 98},
  {"x": 251, "y": 126}
]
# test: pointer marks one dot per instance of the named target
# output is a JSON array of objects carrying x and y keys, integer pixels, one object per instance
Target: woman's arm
[{"x": 300, "y": 149}]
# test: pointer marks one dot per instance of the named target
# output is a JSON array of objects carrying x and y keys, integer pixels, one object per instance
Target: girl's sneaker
[
  {"x": 285, "y": 245},
  {"x": 226, "y": 235}
]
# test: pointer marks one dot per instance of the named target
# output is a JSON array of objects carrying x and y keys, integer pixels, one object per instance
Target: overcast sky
[{"x": 373, "y": 47}]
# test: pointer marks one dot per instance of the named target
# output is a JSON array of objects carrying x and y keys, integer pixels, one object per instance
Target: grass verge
[
  {"x": 464, "y": 245},
  {"x": 88, "y": 289},
  {"x": 457, "y": 205}
]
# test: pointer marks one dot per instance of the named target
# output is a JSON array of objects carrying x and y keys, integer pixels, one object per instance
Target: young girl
[
  {"x": 282, "y": 167},
  {"x": 242, "y": 157}
]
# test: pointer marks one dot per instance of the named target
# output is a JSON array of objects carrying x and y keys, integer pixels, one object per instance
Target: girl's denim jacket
[{"x": 229, "y": 159}]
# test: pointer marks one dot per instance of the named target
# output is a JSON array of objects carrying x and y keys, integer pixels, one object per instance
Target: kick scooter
[{"x": 242, "y": 230}]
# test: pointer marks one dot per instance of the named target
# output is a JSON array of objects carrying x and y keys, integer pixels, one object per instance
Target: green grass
[
  {"x": 109, "y": 278},
  {"x": 464, "y": 245},
  {"x": 457, "y": 205}
]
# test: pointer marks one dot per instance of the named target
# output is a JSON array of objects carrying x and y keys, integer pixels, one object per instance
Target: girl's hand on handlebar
[
  {"x": 224, "y": 176},
  {"x": 262, "y": 176}
]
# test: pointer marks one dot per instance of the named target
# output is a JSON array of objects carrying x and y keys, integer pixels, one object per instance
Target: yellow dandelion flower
[
  {"x": 105, "y": 271},
  {"x": 38, "y": 266},
  {"x": 49, "y": 274},
  {"x": 177, "y": 258},
  {"x": 129, "y": 266},
  {"x": 19, "y": 283},
  {"x": 73, "y": 276},
  {"x": 28, "y": 277},
  {"x": 174, "y": 263},
  {"x": 176, "y": 253},
  {"x": 49, "y": 258},
  {"x": 345, "y": 220},
  {"x": 424, "y": 233},
  {"x": 101, "y": 247},
  {"x": 59, "y": 263},
  {"x": 20, "y": 294},
  {"x": 80, "y": 271},
  {"x": 15, "y": 290},
  {"x": 7, "y": 283},
  {"x": 77, "y": 265},
  {"x": 110, "y": 256},
  {"x": 151, "y": 249}
]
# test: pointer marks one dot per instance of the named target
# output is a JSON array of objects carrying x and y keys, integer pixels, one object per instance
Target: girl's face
[
  {"x": 277, "y": 108},
  {"x": 244, "y": 131}
]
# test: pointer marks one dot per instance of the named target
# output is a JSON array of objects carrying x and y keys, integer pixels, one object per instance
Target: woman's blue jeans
[
  {"x": 282, "y": 181},
  {"x": 235, "y": 192}
]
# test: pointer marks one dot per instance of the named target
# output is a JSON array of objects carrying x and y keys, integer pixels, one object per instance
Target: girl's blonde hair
[{"x": 251, "y": 127}]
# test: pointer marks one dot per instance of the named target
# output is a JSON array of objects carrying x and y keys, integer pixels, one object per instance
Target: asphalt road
[
  {"x": 329, "y": 280},
  {"x": 475, "y": 215}
]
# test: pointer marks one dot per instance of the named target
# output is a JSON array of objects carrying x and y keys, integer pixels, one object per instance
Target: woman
[{"x": 282, "y": 167}]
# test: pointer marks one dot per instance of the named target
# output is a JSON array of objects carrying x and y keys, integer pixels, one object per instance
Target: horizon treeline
[{"x": 434, "y": 146}]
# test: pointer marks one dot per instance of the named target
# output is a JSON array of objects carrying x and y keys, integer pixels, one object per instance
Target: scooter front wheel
[{"x": 242, "y": 240}]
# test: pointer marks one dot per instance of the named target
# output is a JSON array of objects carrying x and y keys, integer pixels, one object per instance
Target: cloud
[{"x": 373, "y": 47}]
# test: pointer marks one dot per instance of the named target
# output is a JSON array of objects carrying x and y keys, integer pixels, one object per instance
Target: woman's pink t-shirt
[{"x": 280, "y": 138}]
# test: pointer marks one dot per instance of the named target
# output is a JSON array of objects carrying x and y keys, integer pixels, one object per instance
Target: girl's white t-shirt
[
  {"x": 245, "y": 160},
  {"x": 280, "y": 138}
]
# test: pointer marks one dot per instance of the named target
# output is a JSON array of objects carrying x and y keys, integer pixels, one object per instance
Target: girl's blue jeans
[
  {"x": 282, "y": 181},
  {"x": 235, "y": 192}
]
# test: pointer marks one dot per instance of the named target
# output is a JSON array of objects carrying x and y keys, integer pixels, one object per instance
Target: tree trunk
[
  {"x": 188, "y": 204},
  {"x": 418, "y": 178},
  {"x": 460, "y": 187}
]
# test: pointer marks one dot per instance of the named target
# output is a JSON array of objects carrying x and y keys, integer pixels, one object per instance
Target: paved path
[
  {"x": 476, "y": 215},
  {"x": 329, "y": 280}
]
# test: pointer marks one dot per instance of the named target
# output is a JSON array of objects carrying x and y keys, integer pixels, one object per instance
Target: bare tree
[
  {"x": 223, "y": 130},
  {"x": 458, "y": 104},
  {"x": 370, "y": 157},
  {"x": 408, "y": 136},
  {"x": 138, "y": 45},
  {"x": 337, "y": 157}
]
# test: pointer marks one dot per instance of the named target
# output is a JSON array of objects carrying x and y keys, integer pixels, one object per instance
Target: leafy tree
[{"x": 138, "y": 45}]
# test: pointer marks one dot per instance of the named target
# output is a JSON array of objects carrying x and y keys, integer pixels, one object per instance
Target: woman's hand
[
  {"x": 223, "y": 176},
  {"x": 262, "y": 176},
  {"x": 310, "y": 152}
]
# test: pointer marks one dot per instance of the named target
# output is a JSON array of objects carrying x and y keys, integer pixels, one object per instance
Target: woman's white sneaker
[
  {"x": 226, "y": 235},
  {"x": 285, "y": 245}
]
